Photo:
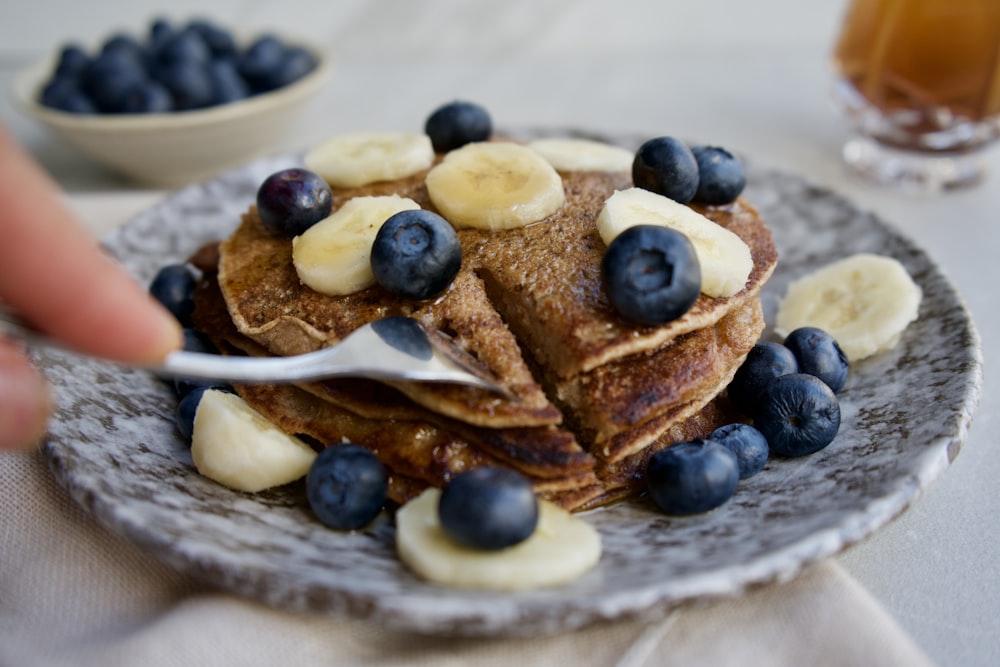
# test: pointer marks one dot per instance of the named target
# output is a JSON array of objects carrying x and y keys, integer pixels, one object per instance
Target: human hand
[{"x": 54, "y": 275}]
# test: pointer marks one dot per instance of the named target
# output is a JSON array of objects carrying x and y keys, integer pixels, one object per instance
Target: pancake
[
  {"x": 421, "y": 448},
  {"x": 529, "y": 298},
  {"x": 594, "y": 395}
]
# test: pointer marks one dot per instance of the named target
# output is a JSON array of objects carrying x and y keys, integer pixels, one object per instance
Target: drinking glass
[{"x": 919, "y": 80}]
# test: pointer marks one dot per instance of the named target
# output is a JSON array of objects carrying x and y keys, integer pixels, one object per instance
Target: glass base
[{"x": 914, "y": 171}]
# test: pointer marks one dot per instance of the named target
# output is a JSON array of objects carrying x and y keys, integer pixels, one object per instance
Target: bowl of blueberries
[{"x": 175, "y": 104}]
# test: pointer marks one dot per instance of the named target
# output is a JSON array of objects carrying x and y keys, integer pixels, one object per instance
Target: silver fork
[{"x": 394, "y": 348}]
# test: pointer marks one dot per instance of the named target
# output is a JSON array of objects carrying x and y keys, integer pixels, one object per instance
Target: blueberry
[
  {"x": 692, "y": 477},
  {"x": 292, "y": 200},
  {"x": 187, "y": 407},
  {"x": 173, "y": 286},
  {"x": 488, "y": 508},
  {"x": 666, "y": 166},
  {"x": 651, "y": 273},
  {"x": 458, "y": 123},
  {"x": 72, "y": 61},
  {"x": 227, "y": 84},
  {"x": 416, "y": 254},
  {"x": 765, "y": 361},
  {"x": 126, "y": 45},
  {"x": 819, "y": 354},
  {"x": 346, "y": 486},
  {"x": 147, "y": 97},
  {"x": 261, "y": 61},
  {"x": 184, "y": 46},
  {"x": 220, "y": 42},
  {"x": 721, "y": 177},
  {"x": 798, "y": 415},
  {"x": 188, "y": 83},
  {"x": 108, "y": 77},
  {"x": 64, "y": 93},
  {"x": 747, "y": 444},
  {"x": 297, "y": 63},
  {"x": 160, "y": 30}
]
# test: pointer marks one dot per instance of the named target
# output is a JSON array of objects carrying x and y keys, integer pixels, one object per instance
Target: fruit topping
[
  {"x": 723, "y": 256},
  {"x": 721, "y": 177},
  {"x": 456, "y": 124},
  {"x": 765, "y": 361},
  {"x": 346, "y": 487},
  {"x": 819, "y": 354},
  {"x": 692, "y": 477},
  {"x": 747, "y": 444},
  {"x": 582, "y": 154},
  {"x": 416, "y": 254},
  {"x": 651, "y": 274},
  {"x": 195, "y": 66},
  {"x": 359, "y": 158},
  {"x": 234, "y": 445},
  {"x": 187, "y": 408},
  {"x": 292, "y": 200},
  {"x": 488, "y": 508},
  {"x": 495, "y": 185},
  {"x": 562, "y": 548},
  {"x": 864, "y": 301},
  {"x": 173, "y": 286},
  {"x": 334, "y": 255},
  {"x": 666, "y": 166},
  {"x": 799, "y": 415}
]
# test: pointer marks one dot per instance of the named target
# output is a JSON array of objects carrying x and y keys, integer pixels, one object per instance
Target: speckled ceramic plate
[{"x": 905, "y": 415}]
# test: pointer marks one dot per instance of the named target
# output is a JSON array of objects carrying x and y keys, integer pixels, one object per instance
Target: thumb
[{"x": 25, "y": 402}]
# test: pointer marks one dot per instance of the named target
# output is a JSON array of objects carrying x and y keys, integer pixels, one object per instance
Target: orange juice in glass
[{"x": 920, "y": 82}]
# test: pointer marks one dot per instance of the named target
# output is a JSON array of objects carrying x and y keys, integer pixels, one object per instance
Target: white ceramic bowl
[{"x": 172, "y": 149}]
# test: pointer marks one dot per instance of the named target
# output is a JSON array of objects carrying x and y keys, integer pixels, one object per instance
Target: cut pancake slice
[
  {"x": 417, "y": 444},
  {"x": 621, "y": 406},
  {"x": 269, "y": 305},
  {"x": 546, "y": 281}
]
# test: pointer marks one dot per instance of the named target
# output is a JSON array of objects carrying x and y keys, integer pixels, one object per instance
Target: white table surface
[{"x": 748, "y": 75}]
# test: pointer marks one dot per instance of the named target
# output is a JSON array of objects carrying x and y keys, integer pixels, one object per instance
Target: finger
[
  {"x": 25, "y": 402},
  {"x": 54, "y": 274}
]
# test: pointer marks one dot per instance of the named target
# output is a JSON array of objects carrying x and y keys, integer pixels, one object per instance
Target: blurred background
[{"x": 651, "y": 67}]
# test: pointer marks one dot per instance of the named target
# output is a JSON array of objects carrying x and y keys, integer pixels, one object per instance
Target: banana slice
[
  {"x": 561, "y": 549},
  {"x": 495, "y": 185},
  {"x": 583, "y": 154},
  {"x": 360, "y": 158},
  {"x": 864, "y": 301},
  {"x": 333, "y": 256},
  {"x": 236, "y": 446},
  {"x": 724, "y": 258}
]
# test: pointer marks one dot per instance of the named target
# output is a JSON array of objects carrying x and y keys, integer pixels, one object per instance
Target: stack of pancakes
[{"x": 594, "y": 395}]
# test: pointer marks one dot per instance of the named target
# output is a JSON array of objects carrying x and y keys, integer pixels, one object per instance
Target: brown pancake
[
  {"x": 416, "y": 454},
  {"x": 545, "y": 452},
  {"x": 595, "y": 395},
  {"x": 626, "y": 477},
  {"x": 623, "y": 406},
  {"x": 533, "y": 290},
  {"x": 421, "y": 448}
]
